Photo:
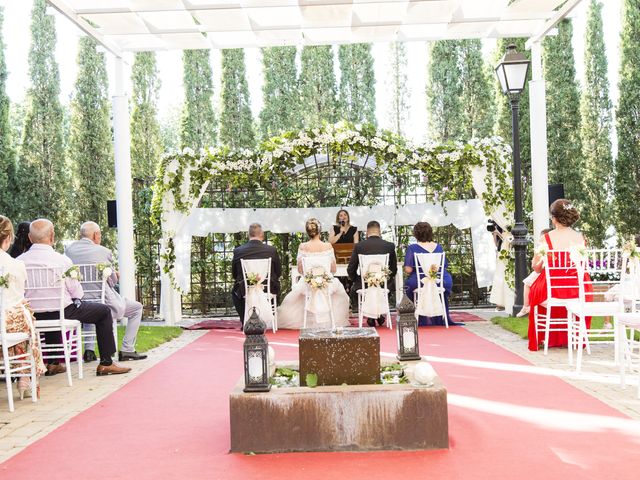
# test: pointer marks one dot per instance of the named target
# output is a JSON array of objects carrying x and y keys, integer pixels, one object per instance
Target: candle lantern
[
  {"x": 407, "y": 328},
  {"x": 256, "y": 355}
]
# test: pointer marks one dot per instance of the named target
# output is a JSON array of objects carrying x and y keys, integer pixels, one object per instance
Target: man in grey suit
[{"x": 88, "y": 250}]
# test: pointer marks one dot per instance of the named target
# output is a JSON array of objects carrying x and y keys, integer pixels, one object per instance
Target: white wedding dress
[{"x": 291, "y": 312}]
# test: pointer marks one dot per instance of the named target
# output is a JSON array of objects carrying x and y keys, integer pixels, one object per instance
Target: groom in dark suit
[
  {"x": 373, "y": 245},
  {"x": 255, "y": 248}
]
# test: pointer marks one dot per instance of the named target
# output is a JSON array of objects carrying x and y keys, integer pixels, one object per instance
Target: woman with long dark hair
[{"x": 21, "y": 243}]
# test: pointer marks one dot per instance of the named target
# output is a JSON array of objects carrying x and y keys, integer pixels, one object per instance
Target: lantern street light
[
  {"x": 512, "y": 74},
  {"x": 256, "y": 355},
  {"x": 407, "y": 328}
]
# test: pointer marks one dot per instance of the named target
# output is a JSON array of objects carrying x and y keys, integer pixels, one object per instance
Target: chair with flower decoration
[
  {"x": 376, "y": 265},
  {"x": 259, "y": 294},
  {"x": 316, "y": 266},
  {"x": 424, "y": 262}
]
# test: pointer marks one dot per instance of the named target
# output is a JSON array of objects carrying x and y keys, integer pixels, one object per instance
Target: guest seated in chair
[
  {"x": 41, "y": 254},
  {"x": 88, "y": 251},
  {"x": 21, "y": 243},
  {"x": 423, "y": 233},
  {"x": 373, "y": 245},
  {"x": 255, "y": 248}
]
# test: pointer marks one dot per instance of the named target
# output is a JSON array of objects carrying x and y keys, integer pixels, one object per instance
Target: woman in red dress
[{"x": 562, "y": 237}]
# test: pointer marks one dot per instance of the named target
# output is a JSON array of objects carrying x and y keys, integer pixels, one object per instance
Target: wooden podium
[{"x": 343, "y": 251}]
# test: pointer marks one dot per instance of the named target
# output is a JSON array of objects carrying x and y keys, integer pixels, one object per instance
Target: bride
[{"x": 315, "y": 254}]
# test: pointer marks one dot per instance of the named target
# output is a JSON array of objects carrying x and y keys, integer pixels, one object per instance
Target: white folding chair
[
  {"x": 366, "y": 263},
  {"x": 18, "y": 365},
  {"x": 596, "y": 261},
  {"x": 423, "y": 262},
  {"x": 46, "y": 284},
  {"x": 94, "y": 286},
  {"x": 627, "y": 322},
  {"x": 309, "y": 264},
  {"x": 262, "y": 267}
]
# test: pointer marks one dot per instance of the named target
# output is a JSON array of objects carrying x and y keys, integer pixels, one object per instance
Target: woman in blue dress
[{"x": 423, "y": 233}]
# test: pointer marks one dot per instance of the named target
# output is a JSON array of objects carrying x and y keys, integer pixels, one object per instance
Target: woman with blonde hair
[
  {"x": 328, "y": 298},
  {"x": 18, "y": 316}
]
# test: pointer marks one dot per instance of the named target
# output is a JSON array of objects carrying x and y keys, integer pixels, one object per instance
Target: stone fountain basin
[{"x": 339, "y": 418}]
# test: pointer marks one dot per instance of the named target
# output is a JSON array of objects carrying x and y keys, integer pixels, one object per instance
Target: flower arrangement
[
  {"x": 630, "y": 249},
  {"x": 73, "y": 273},
  {"x": 104, "y": 269},
  {"x": 4, "y": 280},
  {"x": 376, "y": 277},
  {"x": 184, "y": 175},
  {"x": 253, "y": 278},
  {"x": 318, "y": 279},
  {"x": 541, "y": 250},
  {"x": 432, "y": 273}
]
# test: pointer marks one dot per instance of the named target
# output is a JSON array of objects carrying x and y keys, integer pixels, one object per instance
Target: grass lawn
[{"x": 151, "y": 337}]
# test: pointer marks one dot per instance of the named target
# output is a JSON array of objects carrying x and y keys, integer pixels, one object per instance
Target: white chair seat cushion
[
  {"x": 12, "y": 339},
  {"x": 362, "y": 290},
  {"x": 45, "y": 324},
  {"x": 593, "y": 308},
  {"x": 630, "y": 319}
]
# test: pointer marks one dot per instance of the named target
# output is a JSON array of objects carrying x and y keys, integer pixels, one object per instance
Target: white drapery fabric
[{"x": 462, "y": 214}]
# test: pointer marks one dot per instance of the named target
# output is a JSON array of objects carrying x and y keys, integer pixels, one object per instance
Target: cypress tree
[
  {"x": 198, "y": 125},
  {"x": 281, "y": 110},
  {"x": 90, "y": 147},
  {"x": 146, "y": 143},
  {"x": 444, "y": 91},
  {"x": 477, "y": 94},
  {"x": 43, "y": 170},
  {"x": 397, "y": 84},
  {"x": 236, "y": 122},
  {"x": 595, "y": 108},
  {"x": 563, "y": 113},
  {"x": 627, "y": 176},
  {"x": 357, "y": 83},
  {"x": 318, "y": 86},
  {"x": 7, "y": 153}
]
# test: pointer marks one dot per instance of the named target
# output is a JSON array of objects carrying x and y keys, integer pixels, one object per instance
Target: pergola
[{"x": 122, "y": 26}]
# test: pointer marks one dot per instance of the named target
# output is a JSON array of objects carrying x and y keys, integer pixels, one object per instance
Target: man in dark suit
[
  {"x": 255, "y": 248},
  {"x": 373, "y": 245}
]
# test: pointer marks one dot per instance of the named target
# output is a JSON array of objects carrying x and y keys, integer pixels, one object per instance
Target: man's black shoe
[
  {"x": 371, "y": 322},
  {"x": 124, "y": 356},
  {"x": 381, "y": 320},
  {"x": 89, "y": 356}
]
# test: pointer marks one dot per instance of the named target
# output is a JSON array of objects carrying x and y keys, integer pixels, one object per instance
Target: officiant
[{"x": 343, "y": 231}]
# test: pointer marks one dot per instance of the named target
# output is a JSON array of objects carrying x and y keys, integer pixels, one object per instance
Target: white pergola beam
[{"x": 552, "y": 22}]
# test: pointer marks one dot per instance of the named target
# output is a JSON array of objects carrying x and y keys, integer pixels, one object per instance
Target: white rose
[
  {"x": 73, "y": 274},
  {"x": 107, "y": 272}
]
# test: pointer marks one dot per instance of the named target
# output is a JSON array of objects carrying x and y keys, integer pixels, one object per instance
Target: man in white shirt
[
  {"x": 42, "y": 254},
  {"x": 88, "y": 250}
]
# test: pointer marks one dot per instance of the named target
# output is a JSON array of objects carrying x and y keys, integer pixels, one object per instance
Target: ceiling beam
[
  {"x": 552, "y": 22},
  {"x": 61, "y": 7}
]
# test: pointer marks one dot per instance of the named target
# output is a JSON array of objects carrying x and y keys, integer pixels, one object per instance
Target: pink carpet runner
[{"x": 172, "y": 422}]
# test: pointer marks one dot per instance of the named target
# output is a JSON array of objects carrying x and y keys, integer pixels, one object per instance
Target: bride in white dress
[{"x": 315, "y": 252}]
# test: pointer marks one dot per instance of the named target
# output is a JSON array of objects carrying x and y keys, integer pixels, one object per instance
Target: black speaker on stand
[
  {"x": 556, "y": 191},
  {"x": 112, "y": 214}
]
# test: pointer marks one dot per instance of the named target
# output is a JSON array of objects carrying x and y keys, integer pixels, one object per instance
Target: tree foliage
[
  {"x": 595, "y": 109},
  {"x": 236, "y": 122},
  {"x": 357, "y": 83},
  {"x": 90, "y": 147},
  {"x": 397, "y": 84},
  {"x": 146, "y": 142},
  {"x": 627, "y": 179},
  {"x": 444, "y": 91},
  {"x": 563, "y": 113},
  {"x": 318, "y": 86},
  {"x": 198, "y": 125},
  {"x": 43, "y": 170},
  {"x": 7, "y": 152},
  {"x": 477, "y": 95},
  {"x": 280, "y": 90}
]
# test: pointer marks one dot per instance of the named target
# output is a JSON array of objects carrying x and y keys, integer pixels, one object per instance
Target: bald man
[
  {"x": 42, "y": 254},
  {"x": 88, "y": 251}
]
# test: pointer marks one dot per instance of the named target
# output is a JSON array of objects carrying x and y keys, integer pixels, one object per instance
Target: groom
[
  {"x": 255, "y": 248},
  {"x": 373, "y": 245}
]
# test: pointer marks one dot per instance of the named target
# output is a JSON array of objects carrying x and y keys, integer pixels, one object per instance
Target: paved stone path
[{"x": 59, "y": 402}]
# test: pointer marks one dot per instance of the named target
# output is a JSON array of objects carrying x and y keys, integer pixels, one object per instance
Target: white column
[
  {"x": 122, "y": 151},
  {"x": 538, "y": 123}
]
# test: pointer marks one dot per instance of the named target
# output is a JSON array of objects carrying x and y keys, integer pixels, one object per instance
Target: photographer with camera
[{"x": 343, "y": 231}]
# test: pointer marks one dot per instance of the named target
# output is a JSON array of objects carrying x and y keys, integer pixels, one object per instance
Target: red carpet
[{"x": 172, "y": 423}]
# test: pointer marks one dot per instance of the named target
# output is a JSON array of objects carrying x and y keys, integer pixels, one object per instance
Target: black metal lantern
[
  {"x": 512, "y": 74},
  {"x": 256, "y": 355},
  {"x": 407, "y": 328}
]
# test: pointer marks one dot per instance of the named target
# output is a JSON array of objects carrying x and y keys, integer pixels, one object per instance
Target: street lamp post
[{"x": 512, "y": 74}]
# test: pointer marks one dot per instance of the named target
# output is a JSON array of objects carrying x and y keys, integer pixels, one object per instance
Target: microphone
[{"x": 343, "y": 223}]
